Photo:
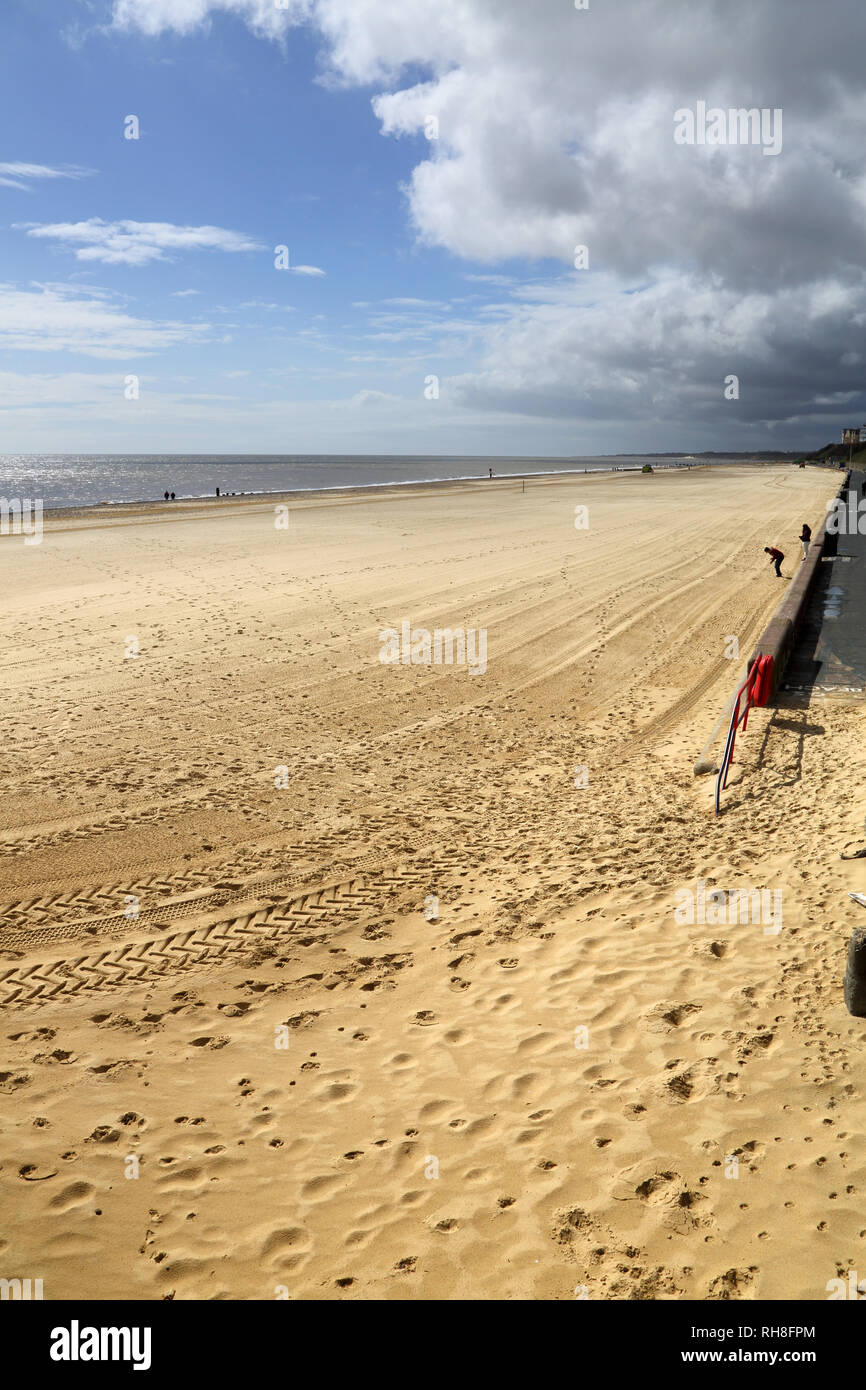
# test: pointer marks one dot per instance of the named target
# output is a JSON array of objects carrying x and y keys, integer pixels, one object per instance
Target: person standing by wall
[{"x": 805, "y": 538}]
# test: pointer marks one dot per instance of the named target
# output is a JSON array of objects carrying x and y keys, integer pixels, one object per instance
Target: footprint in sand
[
  {"x": 433, "y": 1109},
  {"x": 36, "y": 1172},
  {"x": 286, "y": 1240},
  {"x": 522, "y": 1084},
  {"x": 180, "y": 1271},
  {"x": 12, "y": 1082},
  {"x": 660, "y": 1188},
  {"x": 734, "y": 1284},
  {"x": 103, "y": 1134},
  {"x": 72, "y": 1196},
  {"x": 665, "y": 1018},
  {"x": 181, "y": 1179},
  {"x": 696, "y": 1082},
  {"x": 317, "y": 1189},
  {"x": 338, "y": 1090},
  {"x": 479, "y": 1126},
  {"x": 358, "y": 1239},
  {"x": 465, "y": 959}
]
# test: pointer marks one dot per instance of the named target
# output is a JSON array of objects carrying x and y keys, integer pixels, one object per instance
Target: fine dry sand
[{"x": 437, "y": 1124}]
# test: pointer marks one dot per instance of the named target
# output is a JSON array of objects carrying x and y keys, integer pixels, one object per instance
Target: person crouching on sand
[
  {"x": 805, "y": 538},
  {"x": 776, "y": 556}
]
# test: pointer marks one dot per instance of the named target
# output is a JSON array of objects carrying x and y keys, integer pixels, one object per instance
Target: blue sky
[
  {"x": 236, "y": 134},
  {"x": 263, "y": 124}
]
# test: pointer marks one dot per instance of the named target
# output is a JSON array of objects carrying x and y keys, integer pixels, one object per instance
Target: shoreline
[{"x": 130, "y": 506}]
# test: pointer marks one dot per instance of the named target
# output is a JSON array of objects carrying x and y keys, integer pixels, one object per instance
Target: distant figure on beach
[
  {"x": 776, "y": 556},
  {"x": 165, "y": 495},
  {"x": 171, "y": 495},
  {"x": 491, "y": 472},
  {"x": 218, "y": 492},
  {"x": 805, "y": 537}
]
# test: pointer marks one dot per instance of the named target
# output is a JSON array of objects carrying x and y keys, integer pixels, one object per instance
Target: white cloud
[
  {"x": 620, "y": 354},
  {"x": 409, "y": 303},
  {"x": 504, "y": 281},
  {"x": 365, "y": 398},
  {"x": 556, "y": 126},
  {"x": 136, "y": 243},
  {"x": 555, "y": 129},
  {"x": 306, "y": 270},
  {"x": 35, "y": 390},
  {"x": 19, "y": 175},
  {"x": 55, "y": 318},
  {"x": 265, "y": 17},
  {"x": 182, "y": 294},
  {"x": 264, "y": 304}
]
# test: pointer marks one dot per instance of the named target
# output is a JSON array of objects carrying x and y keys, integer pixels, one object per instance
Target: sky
[{"x": 507, "y": 226}]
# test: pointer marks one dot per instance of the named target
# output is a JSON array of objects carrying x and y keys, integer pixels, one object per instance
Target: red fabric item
[{"x": 763, "y": 680}]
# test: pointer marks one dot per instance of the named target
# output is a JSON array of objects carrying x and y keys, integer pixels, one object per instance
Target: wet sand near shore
[
  {"x": 325, "y": 978},
  {"x": 105, "y": 512}
]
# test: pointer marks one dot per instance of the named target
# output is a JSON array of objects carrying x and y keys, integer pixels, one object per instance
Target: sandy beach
[{"x": 323, "y": 977}]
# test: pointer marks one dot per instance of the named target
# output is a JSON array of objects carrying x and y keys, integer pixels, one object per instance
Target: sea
[{"x": 82, "y": 480}]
